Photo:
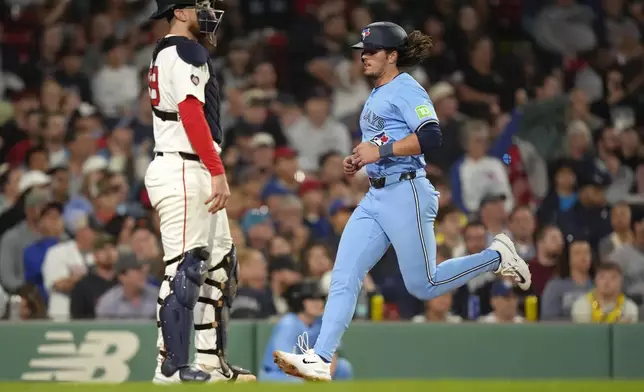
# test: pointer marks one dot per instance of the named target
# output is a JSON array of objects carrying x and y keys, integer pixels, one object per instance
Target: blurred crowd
[{"x": 541, "y": 106}]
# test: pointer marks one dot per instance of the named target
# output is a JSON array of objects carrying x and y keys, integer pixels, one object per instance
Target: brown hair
[
  {"x": 416, "y": 48},
  {"x": 35, "y": 303}
]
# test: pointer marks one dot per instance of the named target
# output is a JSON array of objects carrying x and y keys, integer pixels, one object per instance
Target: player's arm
[
  {"x": 189, "y": 77},
  {"x": 415, "y": 108}
]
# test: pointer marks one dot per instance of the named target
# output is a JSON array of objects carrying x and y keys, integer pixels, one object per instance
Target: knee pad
[{"x": 191, "y": 274}]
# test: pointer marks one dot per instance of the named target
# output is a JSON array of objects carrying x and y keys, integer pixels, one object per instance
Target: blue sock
[{"x": 325, "y": 360}]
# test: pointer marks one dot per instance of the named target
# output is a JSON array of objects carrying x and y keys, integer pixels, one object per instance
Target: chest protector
[{"x": 193, "y": 53}]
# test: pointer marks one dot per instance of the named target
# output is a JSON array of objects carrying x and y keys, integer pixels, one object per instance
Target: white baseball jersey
[{"x": 170, "y": 81}]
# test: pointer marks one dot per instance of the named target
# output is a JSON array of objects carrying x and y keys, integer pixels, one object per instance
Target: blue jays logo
[
  {"x": 380, "y": 139},
  {"x": 365, "y": 33}
]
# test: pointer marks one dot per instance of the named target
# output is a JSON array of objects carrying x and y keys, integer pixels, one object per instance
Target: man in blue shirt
[
  {"x": 306, "y": 303},
  {"x": 399, "y": 126}
]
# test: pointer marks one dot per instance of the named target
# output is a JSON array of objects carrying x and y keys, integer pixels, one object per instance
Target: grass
[{"x": 356, "y": 386}]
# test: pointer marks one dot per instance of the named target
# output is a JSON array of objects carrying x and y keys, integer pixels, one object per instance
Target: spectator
[
  {"x": 9, "y": 185},
  {"x": 437, "y": 310},
  {"x": 254, "y": 299},
  {"x": 32, "y": 307},
  {"x": 289, "y": 219},
  {"x": 476, "y": 174},
  {"x": 100, "y": 278},
  {"x": 317, "y": 133},
  {"x": 450, "y": 222},
  {"x": 312, "y": 194},
  {"x": 443, "y": 97},
  {"x": 522, "y": 227},
  {"x": 258, "y": 227},
  {"x": 493, "y": 215},
  {"x": 562, "y": 196},
  {"x": 504, "y": 303},
  {"x": 478, "y": 84},
  {"x": 70, "y": 75},
  {"x": 132, "y": 298},
  {"x": 50, "y": 229},
  {"x": 116, "y": 85},
  {"x": 606, "y": 303},
  {"x": 284, "y": 181},
  {"x": 620, "y": 217},
  {"x": 549, "y": 248},
  {"x": 573, "y": 281},
  {"x": 16, "y": 214},
  {"x": 331, "y": 168},
  {"x": 316, "y": 261},
  {"x": 54, "y": 138},
  {"x": 475, "y": 237},
  {"x": 630, "y": 257},
  {"x": 339, "y": 213},
  {"x": 59, "y": 184},
  {"x": 283, "y": 273},
  {"x": 67, "y": 263},
  {"x": 20, "y": 237}
]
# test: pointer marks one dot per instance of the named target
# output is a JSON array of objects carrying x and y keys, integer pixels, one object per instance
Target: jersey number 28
[{"x": 153, "y": 85}]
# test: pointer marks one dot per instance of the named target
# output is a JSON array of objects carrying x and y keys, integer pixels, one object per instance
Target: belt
[
  {"x": 381, "y": 182},
  {"x": 165, "y": 116},
  {"x": 186, "y": 156}
]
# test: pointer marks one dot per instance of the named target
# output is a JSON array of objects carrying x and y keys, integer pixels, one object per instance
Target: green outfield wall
[{"x": 120, "y": 351}]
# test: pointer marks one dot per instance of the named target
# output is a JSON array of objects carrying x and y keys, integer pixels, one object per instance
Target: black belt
[
  {"x": 165, "y": 116},
  {"x": 380, "y": 182},
  {"x": 187, "y": 157}
]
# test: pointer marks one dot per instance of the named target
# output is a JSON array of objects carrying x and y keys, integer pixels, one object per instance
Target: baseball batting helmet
[
  {"x": 297, "y": 293},
  {"x": 382, "y": 35},
  {"x": 209, "y": 17}
]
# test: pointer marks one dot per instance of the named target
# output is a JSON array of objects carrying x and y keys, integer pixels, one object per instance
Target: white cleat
[
  {"x": 511, "y": 264},
  {"x": 308, "y": 366},
  {"x": 160, "y": 379}
]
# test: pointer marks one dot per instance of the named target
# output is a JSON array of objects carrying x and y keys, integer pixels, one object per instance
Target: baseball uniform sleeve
[
  {"x": 415, "y": 107},
  {"x": 188, "y": 79}
]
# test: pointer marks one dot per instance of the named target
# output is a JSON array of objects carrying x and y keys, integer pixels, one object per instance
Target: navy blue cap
[
  {"x": 340, "y": 205},
  {"x": 163, "y": 6},
  {"x": 501, "y": 288},
  {"x": 381, "y": 35}
]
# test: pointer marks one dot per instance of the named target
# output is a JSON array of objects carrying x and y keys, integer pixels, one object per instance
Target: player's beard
[
  {"x": 195, "y": 30},
  {"x": 373, "y": 75}
]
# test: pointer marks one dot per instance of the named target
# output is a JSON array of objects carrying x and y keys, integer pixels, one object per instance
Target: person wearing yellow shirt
[{"x": 606, "y": 304}]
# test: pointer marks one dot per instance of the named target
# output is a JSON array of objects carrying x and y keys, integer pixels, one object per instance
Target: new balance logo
[{"x": 101, "y": 357}]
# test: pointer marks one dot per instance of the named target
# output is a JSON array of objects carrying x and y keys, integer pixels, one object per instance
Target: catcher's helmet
[
  {"x": 209, "y": 16},
  {"x": 382, "y": 35},
  {"x": 297, "y": 293}
]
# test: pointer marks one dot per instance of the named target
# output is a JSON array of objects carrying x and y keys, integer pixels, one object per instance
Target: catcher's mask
[{"x": 208, "y": 16}]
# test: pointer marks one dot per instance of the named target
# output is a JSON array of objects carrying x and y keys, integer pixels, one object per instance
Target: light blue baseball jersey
[{"x": 394, "y": 111}]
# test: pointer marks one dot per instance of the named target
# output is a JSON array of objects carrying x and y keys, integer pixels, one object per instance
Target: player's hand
[
  {"x": 348, "y": 166},
  {"x": 365, "y": 153},
  {"x": 220, "y": 194}
]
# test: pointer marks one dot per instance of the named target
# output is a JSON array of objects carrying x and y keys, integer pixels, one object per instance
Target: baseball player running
[
  {"x": 187, "y": 186},
  {"x": 398, "y": 126}
]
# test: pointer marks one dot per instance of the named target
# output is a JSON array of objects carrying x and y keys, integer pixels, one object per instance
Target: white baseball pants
[{"x": 178, "y": 189}]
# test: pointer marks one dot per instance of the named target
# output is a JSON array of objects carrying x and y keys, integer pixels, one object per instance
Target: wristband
[{"x": 386, "y": 150}]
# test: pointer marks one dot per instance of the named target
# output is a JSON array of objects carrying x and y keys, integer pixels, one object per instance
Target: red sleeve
[{"x": 194, "y": 121}]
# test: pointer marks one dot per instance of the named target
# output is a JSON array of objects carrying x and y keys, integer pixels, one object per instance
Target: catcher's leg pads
[
  {"x": 229, "y": 265},
  {"x": 176, "y": 315}
]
